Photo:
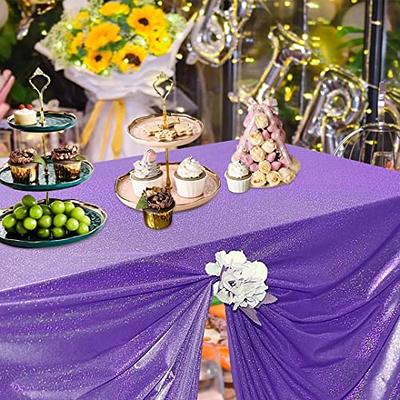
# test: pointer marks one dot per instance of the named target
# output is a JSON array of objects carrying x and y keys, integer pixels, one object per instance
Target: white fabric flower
[{"x": 242, "y": 282}]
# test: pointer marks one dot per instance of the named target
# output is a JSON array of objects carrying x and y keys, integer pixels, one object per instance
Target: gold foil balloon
[
  {"x": 288, "y": 50},
  {"x": 339, "y": 101},
  {"x": 30, "y": 9},
  {"x": 216, "y": 32}
]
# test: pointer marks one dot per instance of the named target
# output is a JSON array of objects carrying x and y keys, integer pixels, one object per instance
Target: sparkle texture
[{"x": 121, "y": 315}]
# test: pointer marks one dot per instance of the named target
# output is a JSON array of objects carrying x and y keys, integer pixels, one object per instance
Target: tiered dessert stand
[
  {"x": 137, "y": 131},
  {"x": 47, "y": 181}
]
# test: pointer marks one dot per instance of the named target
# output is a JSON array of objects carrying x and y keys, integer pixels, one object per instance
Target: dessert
[
  {"x": 25, "y": 115},
  {"x": 238, "y": 177},
  {"x": 67, "y": 162},
  {"x": 24, "y": 165},
  {"x": 175, "y": 129},
  {"x": 262, "y": 149},
  {"x": 190, "y": 178},
  {"x": 157, "y": 205},
  {"x": 146, "y": 173}
]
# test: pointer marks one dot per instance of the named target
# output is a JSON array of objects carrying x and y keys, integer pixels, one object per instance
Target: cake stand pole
[{"x": 168, "y": 182}]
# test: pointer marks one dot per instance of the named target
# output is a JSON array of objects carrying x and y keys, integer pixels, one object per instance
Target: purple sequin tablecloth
[{"x": 121, "y": 315}]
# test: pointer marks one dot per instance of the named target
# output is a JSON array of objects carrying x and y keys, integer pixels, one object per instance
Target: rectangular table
[{"x": 314, "y": 235}]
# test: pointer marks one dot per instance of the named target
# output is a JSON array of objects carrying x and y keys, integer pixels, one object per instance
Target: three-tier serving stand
[{"x": 48, "y": 121}]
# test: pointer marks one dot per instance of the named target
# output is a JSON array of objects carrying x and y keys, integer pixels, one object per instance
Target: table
[{"x": 120, "y": 316}]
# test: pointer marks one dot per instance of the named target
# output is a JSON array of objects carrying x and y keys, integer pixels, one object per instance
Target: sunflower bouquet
[
  {"x": 115, "y": 50},
  {"x": 113, "y": 36}
]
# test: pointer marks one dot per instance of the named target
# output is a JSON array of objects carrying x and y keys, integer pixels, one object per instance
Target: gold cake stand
[{"x": 137, "y": 131}]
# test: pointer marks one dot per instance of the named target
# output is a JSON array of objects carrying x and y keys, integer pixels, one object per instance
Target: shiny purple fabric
[{"x": 121, "y": 316}]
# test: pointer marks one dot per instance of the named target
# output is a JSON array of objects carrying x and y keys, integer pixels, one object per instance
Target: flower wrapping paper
[{"x": 122, "y": 316}]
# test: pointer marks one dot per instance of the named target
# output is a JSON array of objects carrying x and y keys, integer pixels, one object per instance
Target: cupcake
[
  {"x": 146, "y": 173},
  {"x": 238, "y": 177},
  {"x": 24, "y": 166},
  {"x": 190, "y": 178},
  {"x": 157, "y": 205},
  {"x": 25, "y": 116},
  {"x": 67, "y": 162}
]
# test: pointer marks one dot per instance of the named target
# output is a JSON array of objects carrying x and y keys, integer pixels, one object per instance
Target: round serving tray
[
  {"x": 46, "y": 184},
  {"x": 137, "y": 133},
  {"x": 124, "y": 191},
  {"x": 97, "y": 216},
  {"x": 54, "y": 122}
]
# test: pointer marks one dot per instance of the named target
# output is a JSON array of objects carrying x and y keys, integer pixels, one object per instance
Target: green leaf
[
  {"x": 215, "y": 301},
  {"x": 38, "y": 159},
  {"x": 79, "y": 157},
  {"x": 345, "y": 30},
  {"x": 142, "y": 203}
]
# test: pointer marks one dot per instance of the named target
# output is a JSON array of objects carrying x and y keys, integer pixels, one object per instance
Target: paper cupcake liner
[
  {"x": 27, "y": 173},
  {"x": 190, "y": 189},
  {"x": 139, "y": 185},
  {"x": 67, "y": 171},
  {"x": 158, "y": 219},
  {"x": 238, "y": 185}
]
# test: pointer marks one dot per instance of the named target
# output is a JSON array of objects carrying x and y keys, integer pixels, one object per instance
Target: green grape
[
  {"x": 9, "y": 222},
  {"x": 16, "y": 205},
  {"x": 43, "y": 233},
  {"x": 45, "y": 221},
  {"x": 77, "y": 213},
  {"x": 30, "y": 224},
  {"x": 85, "y": 220},
  {"x": 21, "y": 213},
  {"x": 83, "y": 229},
  {"x": 72, "y": 224},
  {"x": 36, "y": 212},
  {"x": 20, "y": 228},
  {"x": 57, "y": 207},
  {"x": 69, "y": 206},
  {"x": 28, "y": 200},
  {"x": 59, "y": 220},
  {"x": 58, "y": 232},
  {"x": 46, "y": 210}
]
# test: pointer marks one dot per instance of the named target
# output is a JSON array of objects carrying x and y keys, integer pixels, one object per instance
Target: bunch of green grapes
[{"x": 56, "y": 220}]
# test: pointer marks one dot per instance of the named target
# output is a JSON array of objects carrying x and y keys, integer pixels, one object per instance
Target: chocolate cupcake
[
  {"x": 67, "y": 162},
  {"x": 157, "y": 205},
  {"x": 23, "y": 166}
]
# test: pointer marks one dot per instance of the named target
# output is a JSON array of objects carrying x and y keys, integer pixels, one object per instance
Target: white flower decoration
[{"x": 242, "y": 282}]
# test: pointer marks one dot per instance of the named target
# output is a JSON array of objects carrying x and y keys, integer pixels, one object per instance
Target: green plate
[
  {"x": 97, "y": 216},
  {"x": 54, "y": 122},
  {"x": 46, "y": 184}
]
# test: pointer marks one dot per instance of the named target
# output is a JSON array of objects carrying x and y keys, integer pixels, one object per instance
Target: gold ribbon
[{"x": 117, "y": 109}]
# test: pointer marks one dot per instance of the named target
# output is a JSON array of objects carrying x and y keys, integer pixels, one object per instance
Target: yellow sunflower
[
  {"x": 129, "y": 58},
  {"x": 76, "y": 42},
  {"x": 97, "y": 61},
  {"x": 80, "y": 19},
  {"x": 159, "y": 42},
  {"x": 113, "y": 8},
  {"x": 147, "y": 19},
  {"x": 101, "y": 35}
]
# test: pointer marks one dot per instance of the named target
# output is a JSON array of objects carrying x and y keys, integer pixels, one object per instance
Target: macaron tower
[{"x": 262, "y": 148}]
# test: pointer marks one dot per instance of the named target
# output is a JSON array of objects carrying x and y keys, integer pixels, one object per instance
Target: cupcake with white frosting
[
  {"x": 146, "y": 173},
  {"x": 190, "y": 178},
  {"x": 238, "y": 177}
]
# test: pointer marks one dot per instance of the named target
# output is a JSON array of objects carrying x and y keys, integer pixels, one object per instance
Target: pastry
[
  {"x": 157, "y": 205},
  {"x": 183, "y": 129},
  {"x": 67, "y": 162},
  {"x": 238, "y": 177},
  {"x": 146, "y": 173},
  {"x": 25, "y": 116},
  {"x": 24, "y": 168},
  {"x": 190, "y": 178}
]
